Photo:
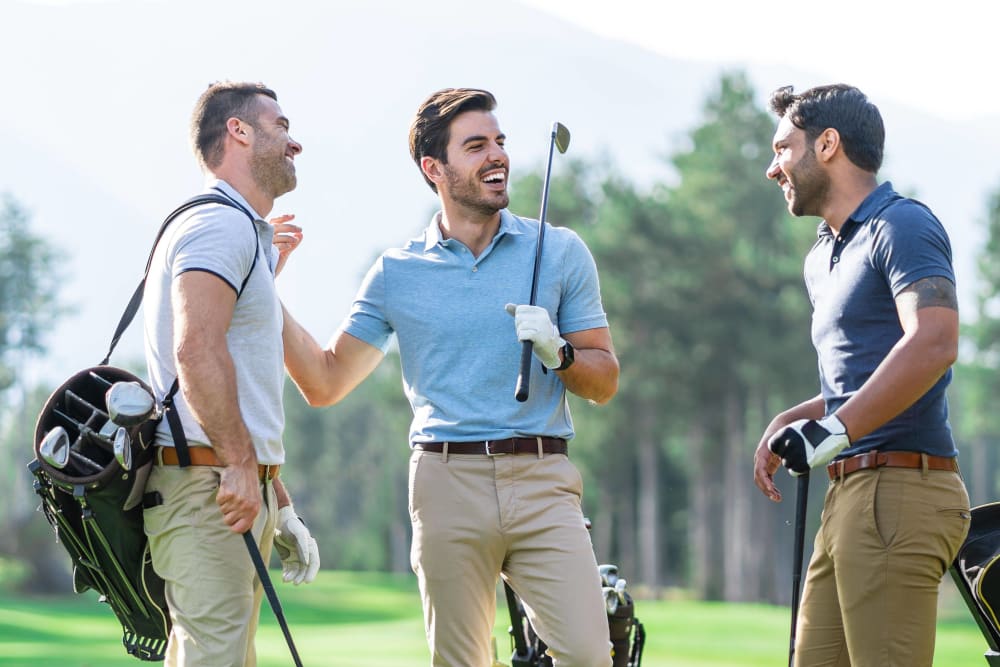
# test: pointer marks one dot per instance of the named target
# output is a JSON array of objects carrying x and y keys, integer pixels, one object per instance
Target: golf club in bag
[{"x": 559, "y": 140}]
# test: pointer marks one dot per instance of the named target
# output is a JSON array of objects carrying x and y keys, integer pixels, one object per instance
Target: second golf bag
[
  {"x": 976, "y": 572},
  {"x": 628, "y": 636},
  {"x": 90, "y": 473}
]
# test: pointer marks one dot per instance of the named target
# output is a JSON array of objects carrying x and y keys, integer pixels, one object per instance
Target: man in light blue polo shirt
[{"x": 492, "y": 491}]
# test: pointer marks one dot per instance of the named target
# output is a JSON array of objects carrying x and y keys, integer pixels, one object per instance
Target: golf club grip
[{"x": 524, "y": 377}]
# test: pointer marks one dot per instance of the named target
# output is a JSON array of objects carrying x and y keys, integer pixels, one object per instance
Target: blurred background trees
[{"x": 701, "y": 280}]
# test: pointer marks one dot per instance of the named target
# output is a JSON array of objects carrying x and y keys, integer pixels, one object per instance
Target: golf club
[
  {"x": 801, "y": 498},
  {"x": 129, "y": 404},
  {"x": 123, "y": 448},
  {"x": 54, "y": 448},
  {"x": 559, "y": 140}
]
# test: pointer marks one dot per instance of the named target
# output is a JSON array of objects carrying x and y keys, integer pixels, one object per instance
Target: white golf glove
[
  {"x": 533, "y": 323},
  {"x": 808, "y": 443},
  {"x": 296, "y": 548}
]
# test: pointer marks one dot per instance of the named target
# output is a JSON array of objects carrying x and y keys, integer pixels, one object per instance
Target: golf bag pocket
[{"x": 93, "y": 453}]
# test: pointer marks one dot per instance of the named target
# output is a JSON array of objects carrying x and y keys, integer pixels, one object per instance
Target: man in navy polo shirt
[
  {"x": 885, "y": 328},
  {"x": 492, "y": 491}
]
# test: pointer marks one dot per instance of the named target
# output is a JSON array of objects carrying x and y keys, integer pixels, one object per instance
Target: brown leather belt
[
  {"x": 537, "y": 445},
  {"x": 205, "y": 456},
  {"x": 868, "y": 460}
]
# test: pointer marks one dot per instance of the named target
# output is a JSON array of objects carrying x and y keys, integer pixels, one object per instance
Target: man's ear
[
  {"x": 827, "y": 144},
  {"x": 432, "y": 169},
  {"x": 237, "y": 130}
]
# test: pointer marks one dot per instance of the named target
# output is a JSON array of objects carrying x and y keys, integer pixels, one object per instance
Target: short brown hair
[
  {"x": 223, "y": 100},
  {"x": 430, "y": 129}
]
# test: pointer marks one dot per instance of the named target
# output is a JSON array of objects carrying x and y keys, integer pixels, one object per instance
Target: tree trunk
[
  {"x": 648, "y": 502},
  {"x": 739, "y": 554}
]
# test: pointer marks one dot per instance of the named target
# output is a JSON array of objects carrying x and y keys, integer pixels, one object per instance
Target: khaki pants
[
  {"x": 887, "y": 537},
  {"x": 211, "y": 584},
  {"x": 475, "y": 517}
]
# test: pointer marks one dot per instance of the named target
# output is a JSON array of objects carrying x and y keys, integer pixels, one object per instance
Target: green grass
[{"x": 374, "y": 620}]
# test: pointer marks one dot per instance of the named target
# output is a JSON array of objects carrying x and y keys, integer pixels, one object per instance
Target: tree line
[{"x": 701, "y": 278}]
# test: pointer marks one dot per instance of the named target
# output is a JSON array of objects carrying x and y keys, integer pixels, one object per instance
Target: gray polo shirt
[
  {"x": 853, "y": 278},
  {"x": 458, "y": 349},
  {"x": 222, "y": 240}
]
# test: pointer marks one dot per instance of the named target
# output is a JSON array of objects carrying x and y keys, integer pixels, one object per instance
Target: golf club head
[
  {"x": 54, "y": 448},
  {"x": 123, "y": 448},
  {"x": 561, "y": 136},
  {"x": 609, "y": 575},
  {"x": 129, "y": 404},
  {"x": 610, "y": 600}
]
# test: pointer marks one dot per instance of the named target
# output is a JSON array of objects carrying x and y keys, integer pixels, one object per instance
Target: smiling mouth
[{"x": 495, "y": 178}]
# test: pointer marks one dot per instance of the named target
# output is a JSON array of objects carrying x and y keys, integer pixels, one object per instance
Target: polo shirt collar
[
  {"x": 230, "y": 191},
  {"x": 432, "y": 236},
  {"x": 871, "y": 204}
]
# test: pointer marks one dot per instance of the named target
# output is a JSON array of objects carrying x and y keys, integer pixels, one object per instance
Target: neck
[
  {"x": 243, "y": 182},
  {"x": 474, "y": 230},
  {"x": 845, "y": 198}
]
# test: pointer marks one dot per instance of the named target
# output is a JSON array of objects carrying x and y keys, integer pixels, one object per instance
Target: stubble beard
[
  {"x": 810, "y": 186},
  {"x": 468, "y": 193},
  {"x": 271, "y": 171}
]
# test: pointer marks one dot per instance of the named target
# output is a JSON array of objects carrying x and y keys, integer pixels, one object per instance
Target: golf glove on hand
[
  {"x": 533, "y": 323},
  {"x": 808, "y": 443},
  {"x": 296, "y": 548}
]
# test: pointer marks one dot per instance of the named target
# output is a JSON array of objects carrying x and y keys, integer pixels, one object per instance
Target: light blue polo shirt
[{"x": 457, "y": 345}]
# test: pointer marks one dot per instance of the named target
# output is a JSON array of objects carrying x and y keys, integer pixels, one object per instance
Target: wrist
[
  {"x": 833, "y": 425},
  {"x": 568, "y": 355}
]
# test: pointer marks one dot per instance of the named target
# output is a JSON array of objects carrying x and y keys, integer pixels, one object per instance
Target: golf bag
[
  {"x": 94, "y": 502},
  {"x": 976, "y": 572},
  {"x": 628, "y": 636}
]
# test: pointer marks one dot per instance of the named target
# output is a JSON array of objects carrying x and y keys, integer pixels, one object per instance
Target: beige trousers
[
  {"x": 478, "y": 517},
  {"x": 886, "y": 539},
  {"x": 212, "y": 588}
]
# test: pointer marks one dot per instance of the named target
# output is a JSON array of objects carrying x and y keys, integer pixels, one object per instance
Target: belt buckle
[{"x": 489, "y": 449}]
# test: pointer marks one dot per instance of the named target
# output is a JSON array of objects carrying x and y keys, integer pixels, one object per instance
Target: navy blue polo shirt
[{"x": 887, "y": 244}]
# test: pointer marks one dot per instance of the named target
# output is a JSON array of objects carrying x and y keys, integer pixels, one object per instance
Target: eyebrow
[{"x": 482, "y": 137}]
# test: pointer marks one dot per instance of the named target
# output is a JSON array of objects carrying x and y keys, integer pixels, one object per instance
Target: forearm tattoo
[{"x": 933, "y": 292}]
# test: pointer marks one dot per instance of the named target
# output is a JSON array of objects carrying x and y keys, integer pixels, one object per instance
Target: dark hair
[
  {"x": 845, "y": 109},
  {"x": 223, "y": 100},
  {"x": 430, "y": 130}
]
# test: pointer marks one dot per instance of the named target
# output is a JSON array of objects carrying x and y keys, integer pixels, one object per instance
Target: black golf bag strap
[
  {"x": 133, "y": 305},
  {"x": 516, "y": 624}
]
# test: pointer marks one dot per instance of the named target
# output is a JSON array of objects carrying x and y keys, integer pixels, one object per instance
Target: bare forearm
[
  {"x": 593, "y": 375},
  {"x": 281, "y": 493},
  {"x": 208, "y": 379},
  {"x": 304, "y": 359},
  {"x": 907, "y": 373}
]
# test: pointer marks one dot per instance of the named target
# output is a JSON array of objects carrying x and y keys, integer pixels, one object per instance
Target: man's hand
[
  {"x": 296, "y": 548},
  {"x": 808, "y": 443},
  {"x": 287, "y": 238},
  {"x": 533, "y": 323},
  {"x": 239, "y": 496}
]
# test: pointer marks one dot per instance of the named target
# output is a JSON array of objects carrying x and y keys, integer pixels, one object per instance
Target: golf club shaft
[
  {"x": 524, "y": 377},
  {"x": 801, "y": 500},
  {"x": 271, "y": 594}
]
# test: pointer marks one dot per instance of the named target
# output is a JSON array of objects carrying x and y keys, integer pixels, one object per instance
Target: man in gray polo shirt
[
  {"x": 885, "y": 328},
  {"x": 213, "y": 323},
  {"x": 492, "y": 490}
]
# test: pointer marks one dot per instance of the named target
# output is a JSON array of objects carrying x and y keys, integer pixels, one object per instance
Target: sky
[
  {"x": 937, "y": 56},
  {"x": 98, "y": 93}
]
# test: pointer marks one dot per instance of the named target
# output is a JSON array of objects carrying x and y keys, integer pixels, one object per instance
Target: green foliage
[
  {"x": 346, "y": 471},
  {"x": 29, "y": 283}
]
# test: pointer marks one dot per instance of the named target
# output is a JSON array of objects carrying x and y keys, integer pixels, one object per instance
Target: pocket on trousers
[
  {"x": 887, "y": 502},
  {"x": 411, "y": 484}
]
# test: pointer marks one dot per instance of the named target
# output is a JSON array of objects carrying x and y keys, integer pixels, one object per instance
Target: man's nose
[{"x": 772, "y": 169}]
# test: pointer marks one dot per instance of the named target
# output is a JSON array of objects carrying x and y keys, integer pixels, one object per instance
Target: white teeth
[{"x": 494, "y": 178}]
